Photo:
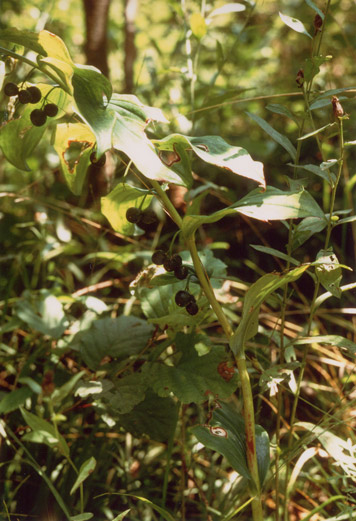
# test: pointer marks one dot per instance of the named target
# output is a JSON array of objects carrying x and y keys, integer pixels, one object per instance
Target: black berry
[
  {"x": 181, "y": 272},
  {"x": 192, "y": 308},
  {"x": 97, "y": 162},
  {"x": 24, "y": 97},
  {"x": 176, "y": 261},
  {"x": 159, "y": 257},
  {"x": 133, "y": 214},
  {"x": 50, "y": 110},
  {"x": 35, "y": 94},
  {"x": 148, "y": 217},
  {"x": 38, "y": 117},
  {"x": 168, "y": 265},
  {"x": 184, "y": 298},
  {"x": 11, "y": 89}
]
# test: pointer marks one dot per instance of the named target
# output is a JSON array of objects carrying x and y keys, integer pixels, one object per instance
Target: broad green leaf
[
  {"x": 294, "y": 24},
  {"x": 19, "y": 137},
  {"x": 43, "y": 313},
  {"x": 130, "y": 138},
  {"x": 73, "y": 143},
  {"x": 125, "y": 394},
  {"x": 346, "y": 220},
  {"x": 44, "y": 432},
  {"x": 43, "y": 43},
  {"x": 226, "y": 435},
  {"x": 276, "y": 136},
  {"x": 198, "y": 25},
  {"x": 234, "y": 7},
  {"x": 119, "y": 337},
  {"x": 254, "y": 297},
  {"x": 85, "y": 470},
  {"x": 155, "y": 417},
  {"x": 193, "y": 376},
  {"x": 306, "y": 229},
  {"x": 216, "y": 151},
  {"x": 118, "y": 201},
  {"x": 14, "y": 399},
  {"x": 282, "y": 110},
  {"x": 92, "y": 92},
  {"x": 328, "y": 272},
  {"x": 275, "y": 253},
  {"x": 325, "y": 174},
  {"x": 317, "y": 131},
  {"x": 272, "y": 204},
  {"x": 335, "y": 340}
]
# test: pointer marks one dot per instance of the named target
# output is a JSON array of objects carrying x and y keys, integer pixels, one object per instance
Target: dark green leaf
[
  {"x": 275, "y": 253},
  {"x": 85, "y": 470},
  {"x": 276, "y": 136},
  {"x": 282, "y": 110},
  {"x": 154, "y": 416},
  {"x": 119, "y": 337},
  {"x": 44, "y": 432},
  {"x": 14, "y": 399},
  {"x": 126, "y": 393},
  {"x": 328, "y": 272},
  {"x": 325, "y": 174},
  {"x": 254, "y": 297},
  {"x": 306, "y": 229}
]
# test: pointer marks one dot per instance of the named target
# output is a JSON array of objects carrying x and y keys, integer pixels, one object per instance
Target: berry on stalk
[
  {"x": 50, "y": 110},
  {"x": 11, "y": 89},
  {"x": 159, "y": 257},
  {"x": 181, "y": 272},
  {"x": 184, "y": 298},
  {"x": 192, "y": 308},
  {"x": 35, "y": 94},
  {"x": 133, "y": 214},
  {"x": 24, "y": 97},
  {"x": 38, "y": 117}
]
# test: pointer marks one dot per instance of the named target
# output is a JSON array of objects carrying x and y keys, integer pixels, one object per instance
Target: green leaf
[
  {"x": 73, "y": 143},
  {"x": 85, "y": 470},
  {"x": 19, "y": 137},
  {"x": 315, "y": 8},
  {"x": 254, "y": 297},
  {"x": 306, "y": 229},
  {"x": 92, "y": 92},
  {"x": 226, "y": 435},
  {"x": 193, "y": 376},
  {"x": 315, "y": 132},
  {"x": 324, "y": 99},
  {"x": 164, "y": 513},
  {"x": 60, "y": 393},
  {"x": 155, "y": 417},
  {"x": 276, "y": 136},
  {"x": 325, "y": 174},
  {"x": 82, "y": 517},
  {"x": 14, "y": 399},
  {"x": 272, "y": 204},
  {"x": 275, "y": 253},
  {"x": 329, "y": 272},
  {"x": 44, "y": 432},
  {"x": 118, "y": 201},
  {"x": 335, "y": 340},
  {"x": 43, "y": 313},
  {"x": 119, "y": 337},
  {"x": 294, "y": 24},
  {"x": 216, "y": 151},
  {"x": 43, "y": 43},
  {"x": 121, "y": 516},
  {"x": 125, "y": 394},
  {"x": 198, "y": 25},
  {"x": 282, "y": 110}
]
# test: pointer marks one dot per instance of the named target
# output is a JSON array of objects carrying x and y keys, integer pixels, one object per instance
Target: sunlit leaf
[
  {"x": 294, "y": 24},
  {"x": 216, "y": 151},
  {"x": 234, "y": 7},
  {"x": 117, "y": 202},
  {"x": 198, "y": 25},
  {"x": 335, "y": 340},
  {"x": 328, "y": 272},
  {"x": 73, "y": 143},
  {"x": 44, "y": 432}
]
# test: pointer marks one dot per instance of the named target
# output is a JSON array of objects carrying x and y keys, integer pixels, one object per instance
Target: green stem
[{"x": 167, "y": 203}]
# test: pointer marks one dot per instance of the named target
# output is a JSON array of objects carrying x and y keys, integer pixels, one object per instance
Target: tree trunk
[
  {"x": 96, "y": 21},
  {"x": 130, "y": 48}
]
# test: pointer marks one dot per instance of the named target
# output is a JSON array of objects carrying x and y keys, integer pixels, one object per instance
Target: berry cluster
[
  {"x": 173, "y": 263},
  {"x": 137, "y": 216},
  {"x": 32, "y": 95},
  {"x": 186, "y": 300}
]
